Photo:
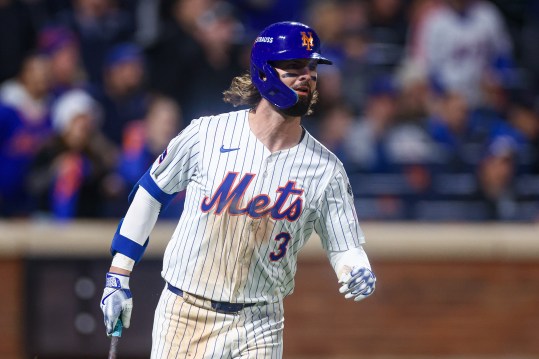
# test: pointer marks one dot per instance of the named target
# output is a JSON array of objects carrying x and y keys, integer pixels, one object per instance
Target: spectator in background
[
  {"x": 416, "y": 94},
  {"x": 66, "y": 176},
  {"x": 419, "y": 14},
  {"x": 173, "y": 58},
  {"x": 412, "y": 146},
  {"x": 197, "y": 53},
  {"x": 387, "y": 28},
  {"x": 524, "y": 117},
  {"x": 459, "y": 141},
  {"x": 366, "y": 142},
  {"x": 219, "y": 33},
  {"x": 457, "y": 80},
  {"x": 460, "y": 42},
  {"x": 143, "y": 142},
  {"x": 496, "y": 179},
  {"x": 348, "y": 39},
  {"x": 256, "y": 14},
  {"x": 530, "y": 45},
  {"x": 61, "y": 47},
  {"x": 18, "y": 143},
  {"x": 357, "y": 60},
  {"x": 327, "y": 16},
  {"x": 99, "y": 25},
  {"x": 28, "y": 93},
  {"x": 123, "y": 96},
  {"x": 359, "y": 66},
  {"x": 361, "y": 40},
  {"x": 330, "y": 93},
  {"x": 379, "y": 142},
  {"x": 24, "y": 126},
  {"x": 333, "y": 128},
  {"x": 17, "y": 37},
  {"x": 461, "y": 134},
  {"x": 343, "y": 39},
  {"x": 354, "y": 14}
]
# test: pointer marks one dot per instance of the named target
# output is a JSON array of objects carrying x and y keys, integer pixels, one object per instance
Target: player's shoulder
[
  {"x": 317, "y": 149},
  {"x": 441, "y": 17},
  {"x": 223, "y": 122},
  {"x": 485, "y": 11},
  {"x": 230, "y": 117},
  {"x": 332, "y": 170}
]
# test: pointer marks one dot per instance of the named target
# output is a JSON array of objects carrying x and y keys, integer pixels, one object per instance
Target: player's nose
[{"x": 304, "y": 74}]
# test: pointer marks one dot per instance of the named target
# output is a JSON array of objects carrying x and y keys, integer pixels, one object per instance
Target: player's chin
[
  {"x": 304, "y": 97},
  {"x": 304, "y": 101},
  {"x": 300, "y": 108}
]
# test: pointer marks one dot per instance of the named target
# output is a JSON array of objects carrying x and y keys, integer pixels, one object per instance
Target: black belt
[{"x": 221, "y": 307}]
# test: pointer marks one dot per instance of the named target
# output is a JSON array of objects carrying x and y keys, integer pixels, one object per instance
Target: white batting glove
[
  {"x": 116, "y": 302},
  {"x": 359, "y": 283}
]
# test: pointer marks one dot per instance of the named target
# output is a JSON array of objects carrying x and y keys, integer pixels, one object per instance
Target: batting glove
[
  {"x": 358, "y": 284},
  {"x": 116, "y": 302}
]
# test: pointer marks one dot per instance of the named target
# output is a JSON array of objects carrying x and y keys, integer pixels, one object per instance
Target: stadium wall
[{"x": 444, "y": 291}]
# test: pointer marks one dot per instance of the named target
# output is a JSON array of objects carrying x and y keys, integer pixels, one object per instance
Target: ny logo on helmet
[{"x": 307, "y": 40}]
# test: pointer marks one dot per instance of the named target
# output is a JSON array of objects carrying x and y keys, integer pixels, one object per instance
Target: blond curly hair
[{"x": 242, "y": 92}]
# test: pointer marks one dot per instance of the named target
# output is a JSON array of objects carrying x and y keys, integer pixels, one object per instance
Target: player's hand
[
  {"x": 116, "y": 301},
  {"x": 359, "y": 283}
]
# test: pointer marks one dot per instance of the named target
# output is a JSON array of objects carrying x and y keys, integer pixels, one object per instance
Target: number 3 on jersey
[{"x": 284, "y": 238}]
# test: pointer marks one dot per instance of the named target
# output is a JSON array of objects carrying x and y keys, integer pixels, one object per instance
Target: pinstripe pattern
[
  {"x": 221, "y": 253},
  {"x": 188, "y": 327}
]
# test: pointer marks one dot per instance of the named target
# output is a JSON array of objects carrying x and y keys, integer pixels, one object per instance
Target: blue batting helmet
[{"x": 277, "y": 42}]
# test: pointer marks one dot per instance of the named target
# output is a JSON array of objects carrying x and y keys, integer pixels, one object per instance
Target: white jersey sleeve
[
  {"x": 338, "y": 226},
  {"x": 177, "y": 164},
  {"x": 168, "y": 175},
  {"x": 343, "y": 262}
]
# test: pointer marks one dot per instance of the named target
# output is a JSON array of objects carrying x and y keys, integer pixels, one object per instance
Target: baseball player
[{"x": 257, "y": 186}]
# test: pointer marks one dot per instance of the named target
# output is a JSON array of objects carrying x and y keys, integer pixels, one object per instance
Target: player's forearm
[
  {"x": 343, "y": 261},
  {"x": 121, "y": 271},
  {"x": 140, "y": 217},
  {"x": 122, "y": 264}
]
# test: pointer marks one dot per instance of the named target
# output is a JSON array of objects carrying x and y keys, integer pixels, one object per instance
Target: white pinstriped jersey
[
  {"x": 248, "y": 211},
  {"x": 461, "y": 48}
]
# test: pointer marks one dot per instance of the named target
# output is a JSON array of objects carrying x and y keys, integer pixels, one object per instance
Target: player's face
[{"x": 301, "y": 76}]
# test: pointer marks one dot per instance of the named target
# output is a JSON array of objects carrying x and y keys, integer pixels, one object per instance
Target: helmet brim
[
  {"x": 322, "y": 60},
  {"x": 289, "y": 57}
]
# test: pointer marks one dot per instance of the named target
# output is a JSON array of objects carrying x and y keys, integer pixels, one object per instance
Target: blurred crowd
[{"x": 432, "y": 105}]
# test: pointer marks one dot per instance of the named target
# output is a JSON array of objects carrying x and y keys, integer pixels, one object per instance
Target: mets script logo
[
  {"x": 229, "y": 195},
  {"x": 307, "y": 40}
]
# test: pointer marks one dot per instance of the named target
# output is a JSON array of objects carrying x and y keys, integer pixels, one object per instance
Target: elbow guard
[
  {"x": 147, "y": 182},
  {"x": 126, "y": 246}
]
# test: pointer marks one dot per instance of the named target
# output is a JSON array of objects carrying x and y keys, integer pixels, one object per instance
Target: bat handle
[
  {"x": 115, "y": 336},
  {"x": 113, "y": 351}
]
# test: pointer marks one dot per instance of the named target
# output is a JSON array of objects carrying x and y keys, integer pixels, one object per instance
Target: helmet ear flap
[
  {"x": 270, "y": 86},
  {"x": 262, "y": 76},
  {"x": 276, "y": 91}
]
